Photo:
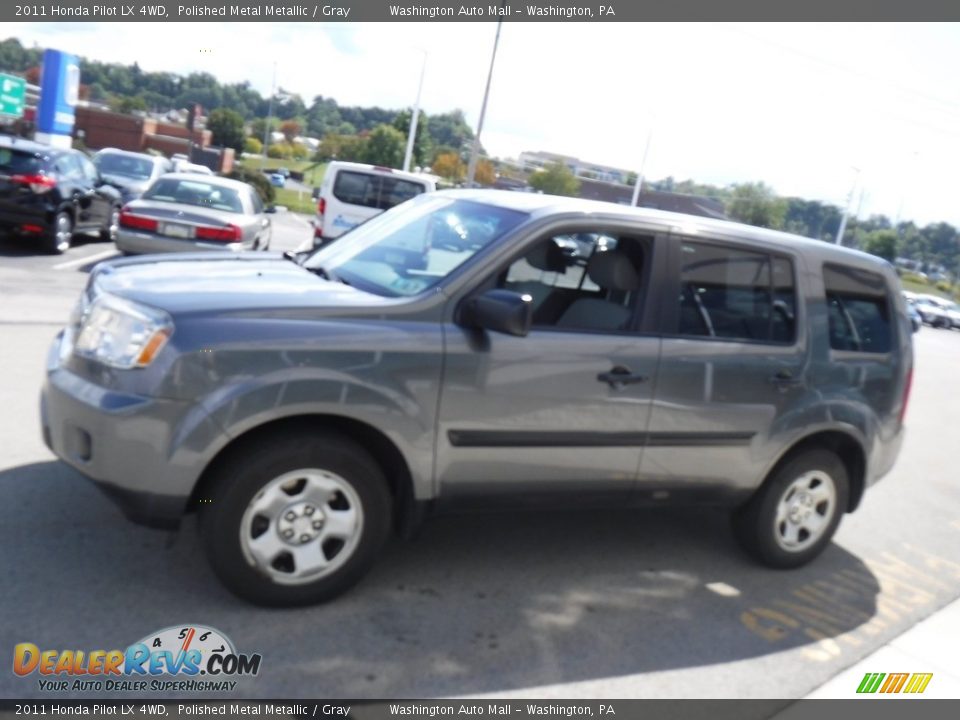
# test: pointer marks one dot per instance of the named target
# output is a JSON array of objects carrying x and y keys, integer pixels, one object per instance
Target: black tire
[
  {"x": 242, "y": 477},
  {"x": 755, "y": 524},
  {"x": 109, "y": 232},
  {"x": 60, "y": 234}
]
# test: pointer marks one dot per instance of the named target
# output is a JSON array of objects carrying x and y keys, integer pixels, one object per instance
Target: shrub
[
  {"x": 253, "y": 146},
  {"x": 281, "y": 151},
  {"x": 258, "y": 180}
]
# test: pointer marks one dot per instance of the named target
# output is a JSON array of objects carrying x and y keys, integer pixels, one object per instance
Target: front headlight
[{"x": 121, "y": 333}]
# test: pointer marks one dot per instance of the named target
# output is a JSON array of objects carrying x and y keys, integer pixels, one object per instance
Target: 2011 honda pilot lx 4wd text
[{"x": 550, "y": 348}]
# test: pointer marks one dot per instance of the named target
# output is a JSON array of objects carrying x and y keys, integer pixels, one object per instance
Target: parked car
[
  {"x": 307, "y": 406},
  {"x": 352, "y": 193},
  {"x": 937, "y": 312},
  {"x": 193, "y": 168},
  {"x": 916, "y": 321},
  {"x": 130, "y": 172},
  {"x": 278, "y": 180},
  {"x": 182, "y": 211},
  {"x": 47, "y": 194}
]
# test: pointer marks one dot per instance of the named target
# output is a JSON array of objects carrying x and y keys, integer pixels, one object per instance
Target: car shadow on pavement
[
  {"x": 479, "y": 603},
  {"x": 13, "y": 246}
]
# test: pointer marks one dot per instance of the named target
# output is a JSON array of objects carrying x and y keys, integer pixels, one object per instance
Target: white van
[{"x": 352, "y": 193}]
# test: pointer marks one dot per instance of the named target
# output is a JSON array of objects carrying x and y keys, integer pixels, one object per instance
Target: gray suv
[{"x": 539, "y": 349}]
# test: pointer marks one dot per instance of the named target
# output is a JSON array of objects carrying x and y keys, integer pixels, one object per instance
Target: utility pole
[
  {"x": 415, "y": 118},
  {"x": 266, "y": 130},
  {"x": 846, "y": 210},
  {"x": 638, "y": 185},
  {"x": 472, "y": 168}
]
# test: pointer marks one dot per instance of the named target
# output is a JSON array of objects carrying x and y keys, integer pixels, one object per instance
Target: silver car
[
  {"x": 130, "y": 172},
  {"x": 184, "y": 211}
]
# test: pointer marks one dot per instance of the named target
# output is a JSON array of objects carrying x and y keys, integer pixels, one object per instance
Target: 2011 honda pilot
[{"x": 562, "y": 349}]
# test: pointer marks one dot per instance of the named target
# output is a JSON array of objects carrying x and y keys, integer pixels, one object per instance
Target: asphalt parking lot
[{"x": 591, "y": 604}]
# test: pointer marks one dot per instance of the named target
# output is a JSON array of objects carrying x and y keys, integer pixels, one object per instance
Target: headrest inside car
[
  {"x": 547, "y": 256},
  {"x": 613, "y": 270}
]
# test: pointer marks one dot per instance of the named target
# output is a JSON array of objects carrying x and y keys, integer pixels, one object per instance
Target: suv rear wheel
[
  {"x": 791, "y": 518},
  {"x": 60, "y": 234},
  {"x": 298, "y": 520}
]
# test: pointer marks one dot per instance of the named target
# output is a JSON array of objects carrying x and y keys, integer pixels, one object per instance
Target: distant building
[
  {"x": 531, "y": 161},
  {"x": 674, "y": 202}
]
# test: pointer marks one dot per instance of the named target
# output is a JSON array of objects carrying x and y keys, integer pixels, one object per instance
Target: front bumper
[{"x": 145, "y": 453}]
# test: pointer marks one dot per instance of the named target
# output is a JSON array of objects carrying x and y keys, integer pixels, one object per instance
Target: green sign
[{"x": 13, "y": 95}]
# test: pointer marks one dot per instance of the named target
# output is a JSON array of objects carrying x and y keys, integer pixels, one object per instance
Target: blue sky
[{"x": 801, "y": 106}]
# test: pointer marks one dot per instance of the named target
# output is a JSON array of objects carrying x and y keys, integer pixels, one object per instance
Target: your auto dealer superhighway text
[{"x": 291, "y": 11}]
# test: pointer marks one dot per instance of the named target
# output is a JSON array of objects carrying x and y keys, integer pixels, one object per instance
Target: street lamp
[
  {"x": 266, "y": 129},
  {"x": 415, "y": 118},
  {"x": 638, "y": 185},
  {"x": 846, "y": 210},
  {"x": 472, "y": 168}
]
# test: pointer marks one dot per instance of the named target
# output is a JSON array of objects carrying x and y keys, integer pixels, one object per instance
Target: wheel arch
[
  {"x": 845, "y": 446},
  {"x": 383, "y": 450}
]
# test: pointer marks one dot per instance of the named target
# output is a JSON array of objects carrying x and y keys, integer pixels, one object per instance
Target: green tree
[
  {"x": 253, "y": 146},
  {"x": 128, "y": 105},
  {"x": 227, "y": 128},
  {"x": 882, "y": 243},
  {"x": 757, "y": 204},
  {"x": 385, "y": 146},
  {"x": 555, "y": 179},
  {"x": 449, "y": 165},
  {"x": 421, "y": 143}
]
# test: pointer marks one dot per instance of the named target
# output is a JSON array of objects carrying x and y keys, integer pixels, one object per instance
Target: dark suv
[
  {"x": 562, "y": 350},
  {"x": 47, "y": 194}
]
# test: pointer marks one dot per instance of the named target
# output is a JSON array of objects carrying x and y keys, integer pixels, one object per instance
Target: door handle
[
  {"x": 620, "y": 376},
  {"x": 785, "y": 378}
]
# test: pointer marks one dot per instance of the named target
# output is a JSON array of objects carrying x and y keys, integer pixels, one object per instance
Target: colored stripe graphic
[
  {"x": 870, "y": 682},
  {"x": 895, "y": 682},
  {"x": 918, "y": 683}
]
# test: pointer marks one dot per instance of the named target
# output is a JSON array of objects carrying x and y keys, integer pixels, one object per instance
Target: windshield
[
  {"x": 195, "y": 192},
  {"x": 125, "y": 165},
  {"x": 416, "y": 245}
]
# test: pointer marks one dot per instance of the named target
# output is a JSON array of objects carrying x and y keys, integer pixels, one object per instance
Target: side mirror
[
  {"x": 500, "y": 311},
  {"x": 270, "y": 209}
]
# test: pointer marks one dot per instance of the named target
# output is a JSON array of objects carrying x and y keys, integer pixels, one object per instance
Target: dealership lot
[{"x": 622, "y": 604}]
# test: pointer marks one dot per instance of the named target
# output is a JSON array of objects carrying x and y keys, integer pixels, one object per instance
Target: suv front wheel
[
  {"x": 791, "y": 518},
  {"x": 297, "y": 520}
]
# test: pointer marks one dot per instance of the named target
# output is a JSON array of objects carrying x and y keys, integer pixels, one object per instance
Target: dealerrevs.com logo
[{"x": 184, "y": 658}]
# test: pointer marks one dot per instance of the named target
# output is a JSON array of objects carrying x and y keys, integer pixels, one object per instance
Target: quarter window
[
  {"x": 858, "y": 310},
  {"x": 736, "y": 294}
]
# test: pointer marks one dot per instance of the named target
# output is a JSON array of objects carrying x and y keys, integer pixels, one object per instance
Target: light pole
[
  {"x": 638, "y": 185},
  {"x": 472, "y": 168},
  {"x": 415, "y": 118},
  {"x": 846, "y": 210},
  {"x": 266, "y": 129}
]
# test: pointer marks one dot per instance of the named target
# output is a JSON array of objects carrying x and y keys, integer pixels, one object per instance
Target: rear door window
[
  {"x": 858, "y": 310},
  {"x": 380, "y": 192},
  {"x": 734, "y": 294}
]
